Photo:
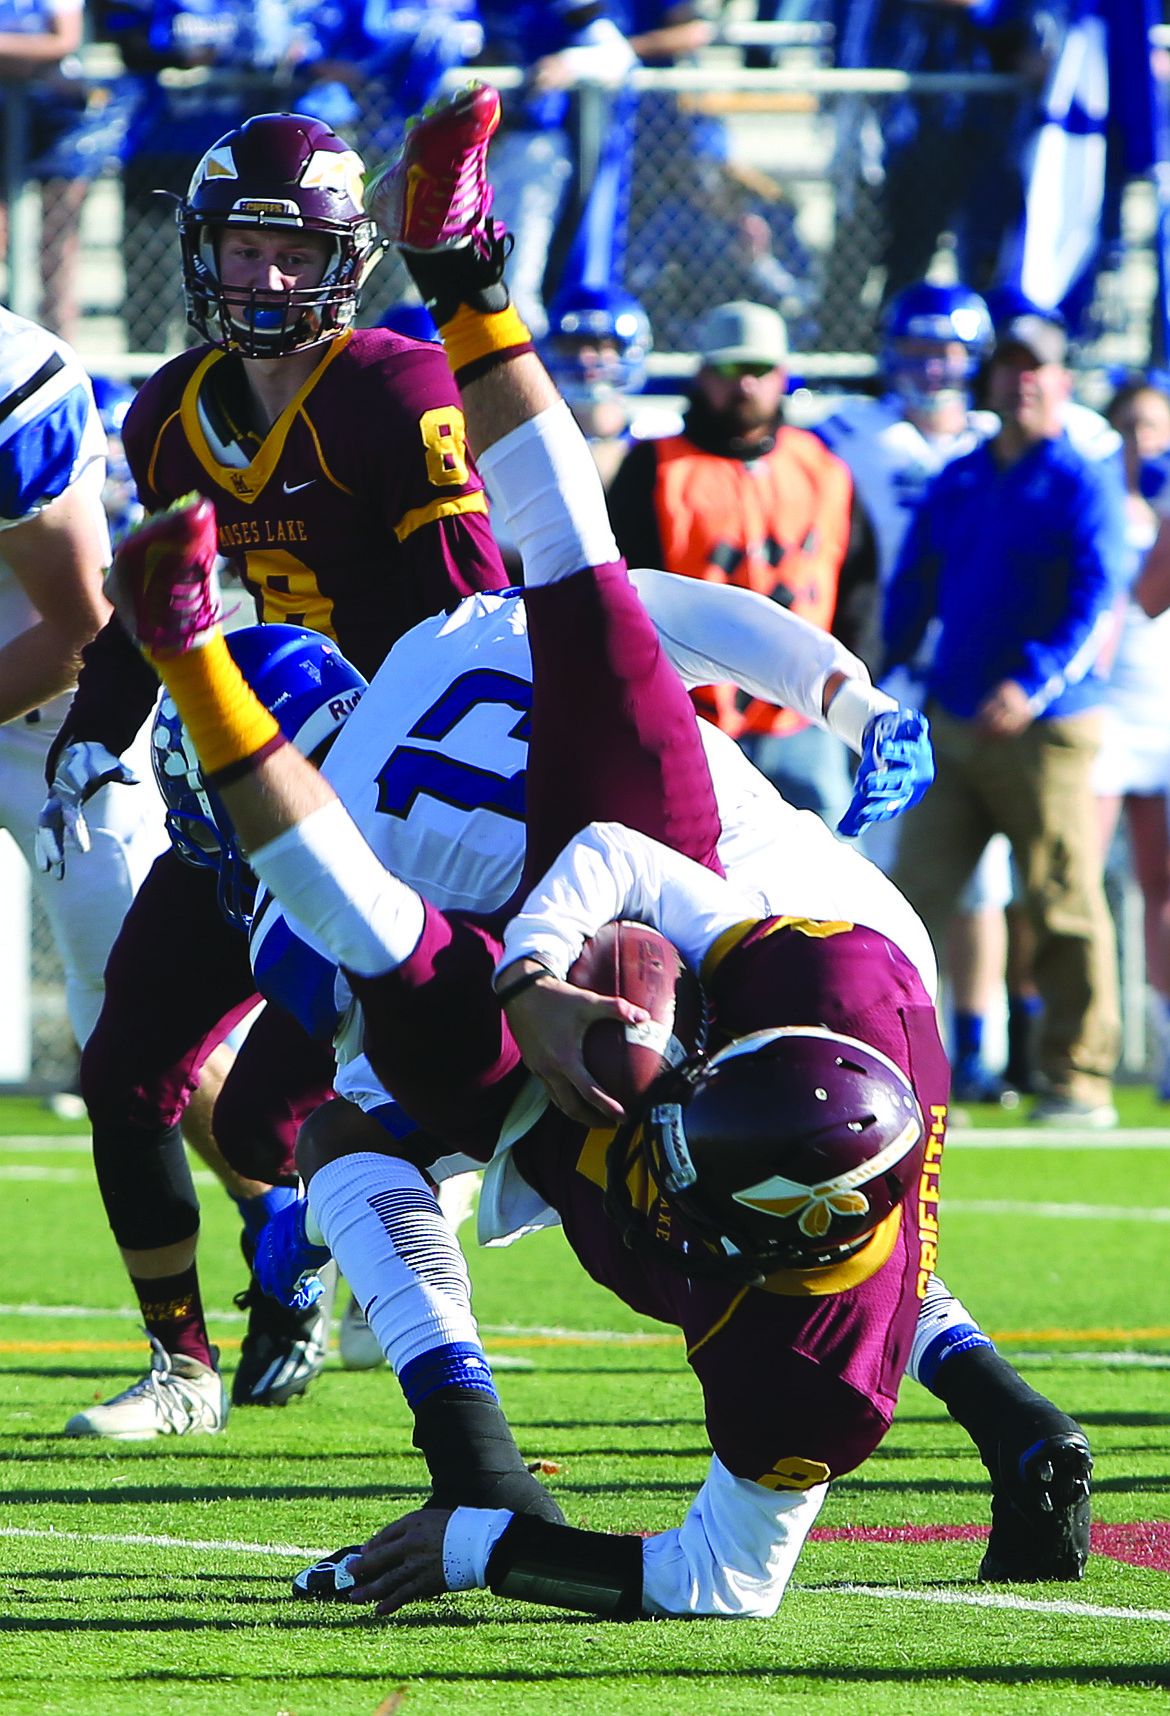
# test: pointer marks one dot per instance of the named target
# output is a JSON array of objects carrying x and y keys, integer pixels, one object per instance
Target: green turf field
[{"x": 153, "y": 1577}]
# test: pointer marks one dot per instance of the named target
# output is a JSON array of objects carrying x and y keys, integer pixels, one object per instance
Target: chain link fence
[
  {"x": 819, "y": 192},
  {"x": 54, "y": 1053}
]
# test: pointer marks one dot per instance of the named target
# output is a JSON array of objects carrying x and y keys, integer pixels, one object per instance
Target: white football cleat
[
  {"x": 356, "y": 1341},
  {"x": 177, "y": 1397}
]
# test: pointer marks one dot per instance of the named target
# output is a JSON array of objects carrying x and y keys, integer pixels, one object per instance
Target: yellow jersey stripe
[
  {"x": 722, "y": 945},
  {"x": 721, "y": 1324},
  {"x": 839, "y": 1277},
  {"x": 336, "y": 481},
  {"x": 414, "y": 520},
  {"x": 158, "y": 447}
]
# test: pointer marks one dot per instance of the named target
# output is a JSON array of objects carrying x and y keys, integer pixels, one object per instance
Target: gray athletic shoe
[
  {"x": 357, "y": 1342},
  {"x": 1067, "y": 1111},
  {"x": 177, "y": 1397}
]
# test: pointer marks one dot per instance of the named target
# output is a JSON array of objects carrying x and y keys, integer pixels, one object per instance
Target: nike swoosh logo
[{"x": 295, "y": 488}]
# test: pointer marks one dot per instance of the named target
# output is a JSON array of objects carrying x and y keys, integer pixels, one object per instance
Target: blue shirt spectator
[
  {"x": 1020, "y": 552},
  {"x": 1021, "y": 567}
]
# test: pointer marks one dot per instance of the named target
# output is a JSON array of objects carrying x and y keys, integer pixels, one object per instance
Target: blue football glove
[
  {"x": 897, "y": 766},
  {"x": 286, "y": 1263}
]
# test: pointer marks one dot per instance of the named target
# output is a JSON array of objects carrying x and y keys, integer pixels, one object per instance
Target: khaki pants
[{"x": 1035, "y": 789}]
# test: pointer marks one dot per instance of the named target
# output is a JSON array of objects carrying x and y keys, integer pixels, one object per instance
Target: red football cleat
[
  {"x": 163, "y": 582},
  {"x": 436, "y": 196}
]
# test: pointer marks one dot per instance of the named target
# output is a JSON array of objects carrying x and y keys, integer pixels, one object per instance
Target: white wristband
[
  {"x": 853, "y": 707},
  {"x": 471, "y": 1535}
]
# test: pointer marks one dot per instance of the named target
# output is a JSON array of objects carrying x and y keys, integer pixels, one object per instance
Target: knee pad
[{"x": 146, "y": 1185}]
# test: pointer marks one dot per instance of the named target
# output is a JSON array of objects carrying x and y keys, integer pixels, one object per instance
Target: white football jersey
[
  {"x": 892, "y": 463},
  {"x": 51, "y": 438},
  {"x": 430, "y": 766}
]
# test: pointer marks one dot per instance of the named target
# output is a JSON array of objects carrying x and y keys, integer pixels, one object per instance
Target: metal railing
[{"x": 793, "y": 184}]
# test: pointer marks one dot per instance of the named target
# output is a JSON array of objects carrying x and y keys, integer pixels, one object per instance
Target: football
[{"x": 635, "y": 962}]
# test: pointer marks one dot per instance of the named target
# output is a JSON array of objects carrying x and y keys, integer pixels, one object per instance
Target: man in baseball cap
[
  {"x": 741, "y": 498},
  {"x": 1042, "y": 338},
  {"x": 1020, "y": 552}
]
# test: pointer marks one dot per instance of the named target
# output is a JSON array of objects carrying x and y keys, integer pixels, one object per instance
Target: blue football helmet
[
  {"x": 124, "y": 511},
  {"x": 584, "y": 317},
  {"x": 114, "y": 399},
  {"x": 413, "y": 320},
  {"x": 1005, "y": 303},
  {"x": 309, "y": 686},
  {"x": 943, "y": 315}
]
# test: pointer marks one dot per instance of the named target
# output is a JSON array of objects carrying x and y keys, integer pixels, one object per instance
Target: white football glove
[{"x": 82, "y": 769}]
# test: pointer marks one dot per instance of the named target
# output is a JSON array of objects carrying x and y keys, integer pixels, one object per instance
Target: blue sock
[
  {"x": 457, "y": 1365},
  {"x": 968, "y": 1036},
  {"x": 961, "y": 1338},
  {"x": 256, "y": 1213}
]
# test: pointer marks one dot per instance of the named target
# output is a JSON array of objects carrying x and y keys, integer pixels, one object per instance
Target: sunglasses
[{"x": 734, "y": 371}]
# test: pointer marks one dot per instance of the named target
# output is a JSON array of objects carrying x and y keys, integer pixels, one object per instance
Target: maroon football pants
[{"x": 177, "y": 981}]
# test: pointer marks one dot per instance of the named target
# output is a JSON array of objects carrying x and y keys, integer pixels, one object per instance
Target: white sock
[
  {"x": 945, "y": 1327},
  {"x": 543, "y": 479},
  {"x": 382, "y": 1223}
]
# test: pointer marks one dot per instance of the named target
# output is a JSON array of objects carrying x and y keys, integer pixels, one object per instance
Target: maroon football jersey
[{"x": 359, "y": 513}]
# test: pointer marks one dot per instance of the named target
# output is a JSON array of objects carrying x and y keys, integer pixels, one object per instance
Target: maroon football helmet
[
  {"x": 280, "y": 170},
  {"x": 787, "y": 1149}
]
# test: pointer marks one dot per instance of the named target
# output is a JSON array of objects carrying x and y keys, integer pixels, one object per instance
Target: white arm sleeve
[
  {"x": 734, "y": 1552},
  {"x": 543, "y": 479},
  {"x": 712, "y": 632},
  {"x": 323, "y": 872},
  {"x": 610, "y": 871}
]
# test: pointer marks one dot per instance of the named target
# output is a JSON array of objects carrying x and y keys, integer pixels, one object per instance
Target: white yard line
[
  {"x": 129, "y": 1313},
  {"x": 1062, "y": 1606},
  {"x": 958, "y": 1138},
  {"x": 77, "y": 1176},
  {"x": 1048, "y": 1138},
  {"x": 1055, "y": 1212},
  {"x": 140, "y": 1539},
  {"x": 48, "y": 1144}
]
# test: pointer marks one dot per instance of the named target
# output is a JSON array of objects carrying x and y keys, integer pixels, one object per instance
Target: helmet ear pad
[{"x": 789, "y": 1148}]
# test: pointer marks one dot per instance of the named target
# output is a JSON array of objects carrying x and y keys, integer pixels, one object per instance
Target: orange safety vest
[{"x": 778, "y": 525}]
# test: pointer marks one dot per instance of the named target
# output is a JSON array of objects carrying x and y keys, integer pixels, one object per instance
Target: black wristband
[
  {"x": 511, "y": 990},
  {"x": 568, "y": 1569},
  {"x": 244, "y": 765}
]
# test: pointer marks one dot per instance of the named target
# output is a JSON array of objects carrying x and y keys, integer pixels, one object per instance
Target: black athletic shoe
[
  {"x": 327, "y": 1580},
  {"x": 283, "y": 1350},
  {"x": 1040, "y": 1506}
]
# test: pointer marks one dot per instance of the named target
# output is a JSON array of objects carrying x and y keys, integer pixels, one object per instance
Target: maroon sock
[{"x": 173, "y": 1313}]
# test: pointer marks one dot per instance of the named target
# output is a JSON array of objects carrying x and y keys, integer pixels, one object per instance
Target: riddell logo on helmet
[
  {"x": 264, "y": 206},
  {"x": 340, "y": 707}
]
